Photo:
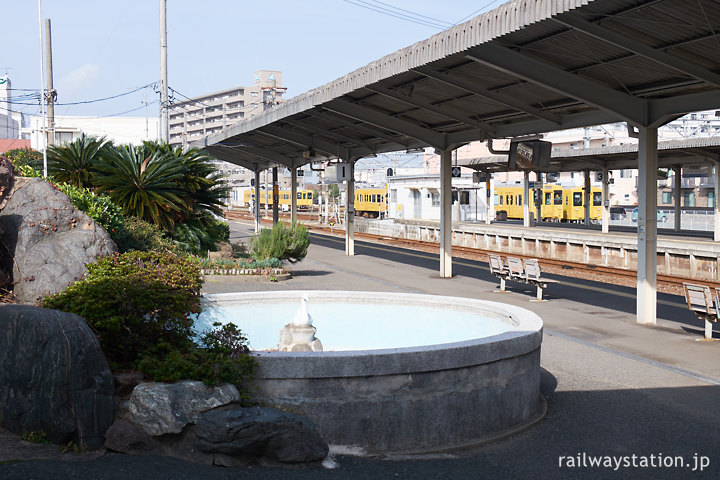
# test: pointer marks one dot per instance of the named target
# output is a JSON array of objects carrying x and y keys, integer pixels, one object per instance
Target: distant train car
[
  {"x": 370, "y": 202},
  {"x": 574, "y": 207},
  {"x": 549, "y": 198},
  {"x": 556, "y": 203},
  {"x": 304, "y": 198},
  {"x": 551, "y": 201},
  {"x": 509, "y": 199}
]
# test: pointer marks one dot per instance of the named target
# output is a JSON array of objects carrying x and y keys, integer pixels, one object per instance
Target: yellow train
[
  {"x": 304, "y": 198},
  {"x": 370, "y": 202},
  {"x": 574, "y": 208},
  {"x": 556, "y": 203}
]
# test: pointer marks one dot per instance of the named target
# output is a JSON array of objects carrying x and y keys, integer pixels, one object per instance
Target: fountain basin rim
[{"x": 524, "y": 337}]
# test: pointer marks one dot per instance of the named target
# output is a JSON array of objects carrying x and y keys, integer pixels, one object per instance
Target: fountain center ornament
[{"x": 299, "y": 335}]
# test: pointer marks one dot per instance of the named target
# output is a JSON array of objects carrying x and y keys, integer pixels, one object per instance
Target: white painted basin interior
[{"x": 357, "y": 320}]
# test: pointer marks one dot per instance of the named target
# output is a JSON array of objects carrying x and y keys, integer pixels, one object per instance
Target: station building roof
[{"x": 526, "y": 67}]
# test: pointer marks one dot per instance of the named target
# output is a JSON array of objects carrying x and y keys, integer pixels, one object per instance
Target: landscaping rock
[
  {"x": 53, "y": 376},
  {"x": 48, "y": 240},
  {"x": 161, "y": 408},
  {"x": 7, "y": 178},
  {"x": 259, "y": 433},
  {"x": 126, "y": 437}
]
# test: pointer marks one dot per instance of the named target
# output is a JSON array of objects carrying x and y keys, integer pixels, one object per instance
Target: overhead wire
[{"x": 385, "y": 11}]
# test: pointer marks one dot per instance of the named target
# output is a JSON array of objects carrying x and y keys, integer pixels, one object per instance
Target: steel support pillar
[
  {"x": 605, "y": 201},
  {"x": 586, "y": 199},
  {"x": 716, "y": 208},
  {"x": 489, "y": 206},
  {"x": 350, "y": 212},
  {"x": 293, "y": 195},
  {"x": 276, "y": 196},
  {"x": 677, "y": 194},
  {"x": 526, "y": 198},
  {"x": 647, "y": 226},
  {"x": 256, "y": 206},
  {"x": 446, "y": 213}
]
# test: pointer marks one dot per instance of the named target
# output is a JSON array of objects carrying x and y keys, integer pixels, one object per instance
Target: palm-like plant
[
  {"x": 145, "y": 183},
  {"x": 76, "y": 162}
]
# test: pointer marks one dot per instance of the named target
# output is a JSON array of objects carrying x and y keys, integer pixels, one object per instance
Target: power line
[
  {"x": 476, "y": 12},
  {"x": 388, "y": 12},
  {"x": 436, "y": 20}
]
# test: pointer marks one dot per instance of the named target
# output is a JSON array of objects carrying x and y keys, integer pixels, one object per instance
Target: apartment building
[{"x": 193, "y": 119}]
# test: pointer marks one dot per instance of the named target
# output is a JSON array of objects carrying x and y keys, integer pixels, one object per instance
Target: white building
[
  {"x": 119, "y": 130},
  {"x": 10, "y": 121},
  {"x": 418, "y": 197}
]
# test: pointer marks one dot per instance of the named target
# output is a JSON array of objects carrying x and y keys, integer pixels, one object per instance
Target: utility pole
[
  {"x": 164, "y": 120},
  {"x": 42, "y": 91},
  {"x": 50, "y": 91}
]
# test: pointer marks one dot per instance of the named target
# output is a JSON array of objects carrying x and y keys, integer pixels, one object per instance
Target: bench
[
  {"x": 499, "y": 269},
  {"x": 703, "y": 302},
  {"x": 525, "y": 271}
]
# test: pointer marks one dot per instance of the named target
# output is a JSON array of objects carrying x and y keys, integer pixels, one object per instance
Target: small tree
[{"x": 281, "y": 242}]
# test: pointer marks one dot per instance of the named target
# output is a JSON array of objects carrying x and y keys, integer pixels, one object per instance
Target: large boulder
[
  {"x": 48, "y": 240},
  {"x": 266, "y": 433},
  {"x": 53, "y": 376},
  {"x": 161, "y": 408},
  {"x": 205, "y": 424}
]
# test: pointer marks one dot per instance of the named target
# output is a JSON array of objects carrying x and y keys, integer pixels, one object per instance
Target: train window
[
  {"x": 558, "y": 197},
  {"x": 309, "y": 195},
  {"x": 519, "y": 200},
  {"x": 597, "y": 199},
  {"x": 577, "y": 199},
  {"x": 498, "y": 199},
  {"x": 299, "y": 195},
  {"x": 374, "y": 198},
  {"x": 507, "y": 200},
  {"x": 548, "y": 198},
  {"x": 567, "y": 199}
]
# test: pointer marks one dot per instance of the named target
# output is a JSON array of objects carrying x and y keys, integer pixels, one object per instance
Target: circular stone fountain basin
[{"x": 400, "y": 372}]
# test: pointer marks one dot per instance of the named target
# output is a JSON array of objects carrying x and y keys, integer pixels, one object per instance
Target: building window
[
  {"x": 253, "y": 94},
  {"x": 711, "y": 199},
  {"x": 435, "y": 198},
  {"x": 689, "y": 199},
  {"x": 393, "y": 195},
  {"x": 667, "y": 198},
  {"x": 63, "y": 137}
]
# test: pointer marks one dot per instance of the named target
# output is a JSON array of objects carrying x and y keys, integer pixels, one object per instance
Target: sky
[{"x": 106, "y": 48}]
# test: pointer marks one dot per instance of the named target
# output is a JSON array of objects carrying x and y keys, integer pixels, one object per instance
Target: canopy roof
[{"x": 527, "y": 67}]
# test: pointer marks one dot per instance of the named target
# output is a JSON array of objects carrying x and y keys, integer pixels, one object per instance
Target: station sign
[{"x": 456, "y": 173}]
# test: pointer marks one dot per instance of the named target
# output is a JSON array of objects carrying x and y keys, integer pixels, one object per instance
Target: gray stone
[
  {"x": 54, "y": 376},
  {"x": 126, "y": 437},
  {"x": 48, "y": 239},
  {"x": 259, "y": 433},
  {"x": 161, "y": 408}
]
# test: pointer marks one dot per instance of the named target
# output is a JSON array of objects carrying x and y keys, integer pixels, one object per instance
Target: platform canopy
[
  {"x": 526, "y": 67},
  {"x": 686, "y": 152}
]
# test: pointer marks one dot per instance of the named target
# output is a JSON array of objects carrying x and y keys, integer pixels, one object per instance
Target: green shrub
[
  {"x": 221, "y": 356},
  {"x": 143, "y": 236},
  {"x": 281, "y": 242},
  {"x": 26, "y": 157},
  {"x": 135, "y": 300},
  {"x": 142, "y": 305},
  {"x": 98, "y": 207}
]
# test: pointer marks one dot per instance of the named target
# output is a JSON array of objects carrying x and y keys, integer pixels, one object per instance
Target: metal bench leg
[
  {"x": 538, "y": 296},
  {"x": 502, "y": 285},
  {"x": 708, "y": 330}
]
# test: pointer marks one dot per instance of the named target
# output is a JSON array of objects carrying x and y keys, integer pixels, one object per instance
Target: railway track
[{"x": 616, "y": 276}]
